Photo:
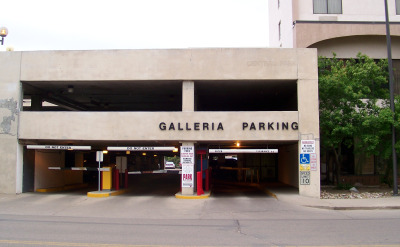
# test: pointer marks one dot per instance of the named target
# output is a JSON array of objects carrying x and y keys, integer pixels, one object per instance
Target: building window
[
  {"x": 327, "y": 6},
  {"x": 397, "y": 7}
]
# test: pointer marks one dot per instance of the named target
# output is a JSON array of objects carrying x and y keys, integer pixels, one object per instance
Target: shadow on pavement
[{"x": 222, "y": 188}]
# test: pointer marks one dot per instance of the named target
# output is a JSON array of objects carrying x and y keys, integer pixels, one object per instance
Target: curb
[
  {"x": 354, "y": 208},
  {"x": 194, "y": 196},
  {"x": 102, "y": 194}
]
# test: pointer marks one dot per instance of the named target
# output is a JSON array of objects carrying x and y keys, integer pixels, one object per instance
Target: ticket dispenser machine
[{"x": 107, "y": 178}]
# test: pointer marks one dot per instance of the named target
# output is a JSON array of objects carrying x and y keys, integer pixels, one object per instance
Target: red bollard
[
  {"x": 113, "y": 178},
  {"x": 126, "y": 178},
  {"x": 209, "y": 177},
  {"x": 116, "y": 179},
  {"x": 200, "y": 183},
  {"x": 207, "y": 180},
  {"x": 101, "y": 180}
]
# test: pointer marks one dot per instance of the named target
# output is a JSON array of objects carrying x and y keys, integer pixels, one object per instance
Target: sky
[{"x": 133, "y": 24}]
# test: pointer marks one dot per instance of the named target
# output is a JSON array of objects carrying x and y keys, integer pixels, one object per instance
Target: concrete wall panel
[
  {"x": 146, "y": 125},
  {"x": 10, "y": 165},
  {"x": 179, "y": 64}
]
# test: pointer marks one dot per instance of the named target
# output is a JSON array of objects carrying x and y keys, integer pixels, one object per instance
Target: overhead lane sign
[
  {"x": 141, "y": 148},
  {"x": 59, "y": 147},
  {"x": 106, "y": 169},
  {"x": 242, "y": 151}
]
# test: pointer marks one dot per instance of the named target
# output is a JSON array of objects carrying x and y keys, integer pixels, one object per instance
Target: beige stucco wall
[
  {"x": 373, "y": 46},
  {"x": 307, "y": 34}
]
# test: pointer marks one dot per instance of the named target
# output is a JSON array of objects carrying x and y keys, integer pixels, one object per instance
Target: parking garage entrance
[
  {"x": 143, "y": 168},
  {"x": 244, "y": 165},
  {"x": 64, "y": 167}
]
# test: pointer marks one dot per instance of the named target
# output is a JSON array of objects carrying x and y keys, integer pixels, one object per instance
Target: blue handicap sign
[{"x": 304, "y": 159}]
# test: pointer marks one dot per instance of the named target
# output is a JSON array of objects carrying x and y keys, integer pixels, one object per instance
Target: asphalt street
[{"x": 141, "y": 218}]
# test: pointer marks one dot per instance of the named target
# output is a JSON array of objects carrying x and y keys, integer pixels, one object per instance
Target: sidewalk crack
[{"x": 238, "y": 228}]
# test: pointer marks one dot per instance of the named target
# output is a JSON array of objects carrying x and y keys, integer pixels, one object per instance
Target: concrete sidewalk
[{"x": 290, "y": 195}]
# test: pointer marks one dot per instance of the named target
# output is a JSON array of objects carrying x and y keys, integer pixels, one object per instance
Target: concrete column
[
  {"x": 10, "y": 151},
  {"x": 188, "y": 97},
  {"x": 188, "y": 106},
  {"x": 189, "y": 190},
  {"x": 309, "y": 130},
  {"x": 308, "y": 109}
]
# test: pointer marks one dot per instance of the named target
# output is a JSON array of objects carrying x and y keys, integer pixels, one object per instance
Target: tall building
[{"x": 343, "y": 27}]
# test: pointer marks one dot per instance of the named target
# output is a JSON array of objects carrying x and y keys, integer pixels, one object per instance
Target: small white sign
[
  {"x": 307, "y": 146},
  {"x": 187, "y": 175},
  {"x": 187, "y": 161},
  {"x": 99, "y": 156},
  {"x": 304, "y": 177},
  {"x": 313, "y": 162},
  {"x": 187, "y": 155}
]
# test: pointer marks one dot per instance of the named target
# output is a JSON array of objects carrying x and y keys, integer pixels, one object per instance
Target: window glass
[
  {"x": 397, "y": 7},
  {"x": 320, "y": 6},
  {"x": 334, "y": 6},
  {"x": 327, "y": 6}
]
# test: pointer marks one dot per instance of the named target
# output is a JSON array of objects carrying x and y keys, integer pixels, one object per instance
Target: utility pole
[{"x": 389, "y": 51}]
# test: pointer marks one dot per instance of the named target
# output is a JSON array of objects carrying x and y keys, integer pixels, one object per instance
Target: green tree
[
  {"x": 353, "y": 97},
  {"x": 175, "y": 159}
]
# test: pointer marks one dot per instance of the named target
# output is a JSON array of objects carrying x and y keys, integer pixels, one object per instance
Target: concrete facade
[{"x": 191, "y": 67}]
